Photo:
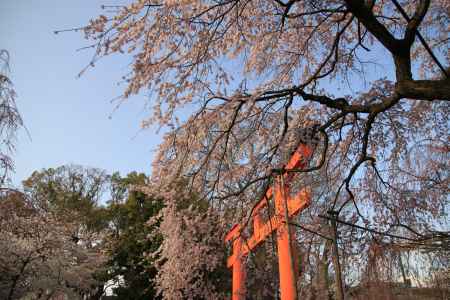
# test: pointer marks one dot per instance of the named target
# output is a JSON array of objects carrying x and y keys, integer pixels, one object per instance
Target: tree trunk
[
  {"x": 336, "y": 264},
  {"x": 17, "y": 277},
  {"x": 322, "y": 281}
]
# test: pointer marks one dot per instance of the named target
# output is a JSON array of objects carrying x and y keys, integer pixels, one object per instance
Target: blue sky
[{"x": 69, "y": 119}]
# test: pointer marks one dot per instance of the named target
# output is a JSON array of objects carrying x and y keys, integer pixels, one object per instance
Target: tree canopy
[
  {"x": 128, "y": 212},
  {"x": 369, "y": 75}
]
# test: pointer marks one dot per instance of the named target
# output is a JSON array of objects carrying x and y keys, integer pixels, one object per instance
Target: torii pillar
[{"x": 285, "y": 207}]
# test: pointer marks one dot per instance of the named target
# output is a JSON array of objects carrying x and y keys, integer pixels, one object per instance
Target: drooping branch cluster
[
  {"x": 10, "y": 119},
  {"x": 256, "y": 73}
]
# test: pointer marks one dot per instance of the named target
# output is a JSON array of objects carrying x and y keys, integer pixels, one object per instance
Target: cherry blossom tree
[
  {"x": 38, "y": 255},
  {"x": 253, "y": 72},
  {"x": 191, "y": 257},
  {"x": 370, "y": 80}
]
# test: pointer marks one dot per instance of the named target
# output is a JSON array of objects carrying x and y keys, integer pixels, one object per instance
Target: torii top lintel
[{"x": 301, "y": 200}]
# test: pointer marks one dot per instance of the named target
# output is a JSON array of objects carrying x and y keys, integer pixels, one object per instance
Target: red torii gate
[{"x": 285, "y": 207}]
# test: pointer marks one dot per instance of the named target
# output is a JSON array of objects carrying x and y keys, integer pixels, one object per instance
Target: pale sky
[{"x": 68, "y": 117}]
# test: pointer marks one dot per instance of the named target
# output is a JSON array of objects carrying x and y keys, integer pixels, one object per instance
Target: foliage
[
  {"x": 139, "y": 258},
  {"x": 127, "y": 241},
  {"x": 73, "y": 194}
]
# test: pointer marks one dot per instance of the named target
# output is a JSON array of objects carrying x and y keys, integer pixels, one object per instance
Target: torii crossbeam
[{"x": 285, "y": 207}]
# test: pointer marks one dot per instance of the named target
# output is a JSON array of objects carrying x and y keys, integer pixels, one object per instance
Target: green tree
[
  {"x": 73, "y": 193},
  {"x": 129, "y": 211}
]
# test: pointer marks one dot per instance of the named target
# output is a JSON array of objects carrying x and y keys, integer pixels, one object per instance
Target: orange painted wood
[
  {"x": 286, "y": 267},
  {"x": 261, "y": 230}
]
